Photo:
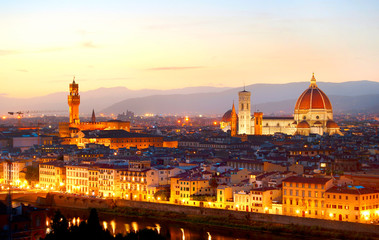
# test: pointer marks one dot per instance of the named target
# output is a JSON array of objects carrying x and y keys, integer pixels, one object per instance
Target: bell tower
[
  {"x": 73, "y": 102},
  {"x": 244, "y": 115}
]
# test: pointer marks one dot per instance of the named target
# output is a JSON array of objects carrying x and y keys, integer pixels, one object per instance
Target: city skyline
[{"x": 169, "y": 45}]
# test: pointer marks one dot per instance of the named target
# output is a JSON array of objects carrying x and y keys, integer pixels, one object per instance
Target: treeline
[{"x": 92, "y": 229}]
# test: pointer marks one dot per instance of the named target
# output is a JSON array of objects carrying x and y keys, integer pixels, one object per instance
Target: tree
[
  {"x": 163, "y": 195},
  {"x": 59, "y": 227},
  {"x": 213, "y": 184},
  {"x": 32, "y": 173}
]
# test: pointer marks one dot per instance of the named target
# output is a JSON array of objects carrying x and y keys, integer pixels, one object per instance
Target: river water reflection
[{"x": 170, "y": 229}]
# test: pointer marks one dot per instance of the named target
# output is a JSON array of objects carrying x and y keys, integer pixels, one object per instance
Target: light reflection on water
[{"x": 169, "y": 229}]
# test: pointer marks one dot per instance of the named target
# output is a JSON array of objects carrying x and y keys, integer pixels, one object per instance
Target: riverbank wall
[
  {"x": 251, "y": 216},
  {"x": 62, "y": 200}
]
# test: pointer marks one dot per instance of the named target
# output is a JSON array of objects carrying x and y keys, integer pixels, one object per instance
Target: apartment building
[
  {"x": 304, "y": 196},
  {"x": 77, "y": 178},
  {"x": 352, "y": 204},
  {"x": 52, "y": 176}
]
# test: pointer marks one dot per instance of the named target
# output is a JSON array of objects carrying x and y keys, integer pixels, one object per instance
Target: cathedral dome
[
  {"x": 313, "y": 98},
  {"x": 303, "y": 124},
  {"x": 331, "y": 124},
  {"x": 227, "y": 116}
]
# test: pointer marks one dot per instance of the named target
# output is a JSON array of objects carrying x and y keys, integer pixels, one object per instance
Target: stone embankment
[{"x": 71, "y": 201}]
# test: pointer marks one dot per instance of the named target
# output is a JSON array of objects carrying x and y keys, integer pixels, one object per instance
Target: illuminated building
[
  {"x": 12, "y": 169},
  {"x": 257, "y": 200},
  {"x": 115, "y": 139},
  {"x": 352, "y": 204},
  {"x": 67, "y": 129},
  {"x": 134, "y": 182},
  {"x": 305, "y": 197},
  {"x": 244, "y": 115},
  {"x": 52, "y": 176},
  {"x": 190, "y": 186},
  {"x": 109, "y": 181},
  {"x": 93, "y": 181},
  {"x": 313, "y": 114},
  {"x": 77, "y": 178},
  {"x": 134, "y": 185}
]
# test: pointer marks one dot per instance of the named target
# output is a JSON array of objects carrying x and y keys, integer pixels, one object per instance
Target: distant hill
[
  {"x": 95, "y": 99},
  {"x": 211, "y": 104},
  {"x": 269, "y": 98}
]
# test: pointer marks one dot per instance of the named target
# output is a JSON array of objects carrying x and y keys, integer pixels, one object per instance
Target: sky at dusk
[{"x": 175, "y": 44}]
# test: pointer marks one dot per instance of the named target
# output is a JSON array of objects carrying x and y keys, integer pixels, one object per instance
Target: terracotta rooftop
[
  {"x": 307, "y": 180},
  {"x": 354, "y": 190}
]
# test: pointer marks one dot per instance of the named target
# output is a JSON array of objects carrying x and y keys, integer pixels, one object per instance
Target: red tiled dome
[
  {"x": 331, "y": 124},
  {"x": 303, "y": 124},
  {"x": 313, "y": 98},
  {"x": 227, "y": 116}
]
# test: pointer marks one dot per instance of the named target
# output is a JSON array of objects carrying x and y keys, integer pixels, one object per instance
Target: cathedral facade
[{"x": 313, "y": 114}]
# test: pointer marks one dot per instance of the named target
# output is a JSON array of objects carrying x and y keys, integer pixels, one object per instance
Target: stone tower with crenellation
[{"x": 74, "y": 102}]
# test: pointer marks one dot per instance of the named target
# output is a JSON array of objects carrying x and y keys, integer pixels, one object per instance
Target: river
[{"x": 170, "y": 229}]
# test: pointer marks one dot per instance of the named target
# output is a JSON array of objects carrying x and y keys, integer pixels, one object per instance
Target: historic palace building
[
  {"x": 313, "y": 114},
  {"x": 68, "y": 129},
  {"x": 113, "y": 134}
]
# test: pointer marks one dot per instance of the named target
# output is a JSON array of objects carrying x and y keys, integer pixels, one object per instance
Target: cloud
[
  {"x": 22, "y": 70},
  {"x": 82, "y": 32},
  {"x": 3, "y": 94},
  {"x": 7, "y": 52},
  {"x": 114, "y": 79},
  {"x": 53, "y": 49},
  {"x": 88, "y": 44},
  {"x": 174, "y": 68}
]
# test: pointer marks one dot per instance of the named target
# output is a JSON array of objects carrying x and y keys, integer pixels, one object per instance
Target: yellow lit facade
[
  {"x": 77, "y": 179},
  {"x": 93, "y": 181},
  {"x": 134, "y": 185},
  {"x": 11, "y": 172},
  {"x": 109, "y": 182},
  {"x": 52, "y": 176},
  {"x": 352, "y": 204},
  {"x": 257, "y": 200},
  {"x": 305, "y": 197}
]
